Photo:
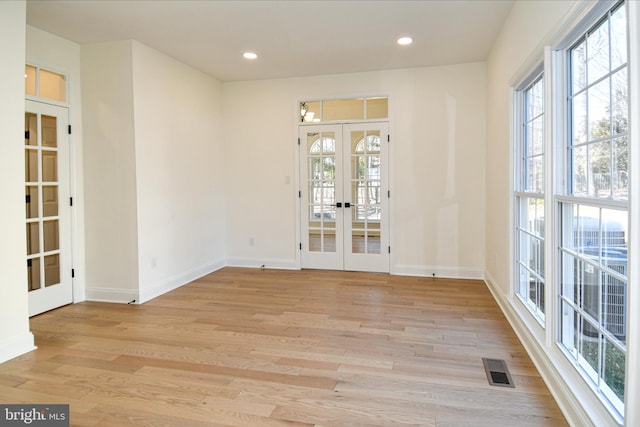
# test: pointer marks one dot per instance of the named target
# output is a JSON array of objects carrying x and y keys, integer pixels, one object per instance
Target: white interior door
[
  {"x": 344, "y": 196},
  {"x": 48, "y": 215}
]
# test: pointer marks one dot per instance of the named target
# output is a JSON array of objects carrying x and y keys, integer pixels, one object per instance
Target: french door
[
  {"x": 48, "y": 215},
  {"x": 344, "y": 196}
]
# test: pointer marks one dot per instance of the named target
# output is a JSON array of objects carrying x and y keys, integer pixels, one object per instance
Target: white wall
[
  {"x": 437, "y": 161},
  {"x": 15, "y": 337},
  {"x": 180, "y": 176},
  {"x": 109, "y": 163},
  {"x": 63, "y": 56},
  {"x": 529, "y": 23},
  {"x": 154, "y": 181}
]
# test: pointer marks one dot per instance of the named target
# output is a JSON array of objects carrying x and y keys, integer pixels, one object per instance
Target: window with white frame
[
  {"x": 593, "y": 211},
  {"x": 529, "y": 195}
]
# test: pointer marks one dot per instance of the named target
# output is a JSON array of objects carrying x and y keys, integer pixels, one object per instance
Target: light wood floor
[{"x": 250, "y": 347}]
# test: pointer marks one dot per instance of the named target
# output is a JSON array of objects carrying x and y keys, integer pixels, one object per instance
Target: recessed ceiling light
[
  {"x": 405, "y": 41},
  {"x": 250, "y": 55}
]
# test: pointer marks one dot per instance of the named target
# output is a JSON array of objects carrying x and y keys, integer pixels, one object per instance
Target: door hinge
[
  {"x": 389, "y": 248},
  {"x": 388, "y": 193},
  {"x": 26, "y": 134},
  {"x": 298, "y": 141},
  {"x": 69, "y": 129},
  {"x": 388, "y": 138},
  {"x": 73, "y": 273},
  {"x": 70, "y": 201},
  {"x": 300, "y": 246},
  {"x": 299, "y": 194},
  {"x": 28, "y": 198},
  {"x": 29, "y": 263}
]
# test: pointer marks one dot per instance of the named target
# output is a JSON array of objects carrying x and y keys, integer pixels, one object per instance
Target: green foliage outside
[{"x": 614, "y": 365}]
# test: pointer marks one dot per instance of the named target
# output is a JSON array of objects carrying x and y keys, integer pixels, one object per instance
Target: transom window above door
[
  {"x": 43, "y": 83},
  {"x": 332, "y": 110}
]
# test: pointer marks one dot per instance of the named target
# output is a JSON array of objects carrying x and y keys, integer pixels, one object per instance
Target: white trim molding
[
  {"x": 278, "y": 264},
  {"x": 632, "y": 392},
  {"x": 123, "y": 296},
  {"x": 171, "y": 283},
  {"x": 16, "y": 346},
  {"x": 447, "y": 272}
]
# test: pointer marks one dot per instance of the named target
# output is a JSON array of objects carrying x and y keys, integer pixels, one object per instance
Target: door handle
[
  {"x": 347, "y": 204},
  {"x": 338, "y": 205}
]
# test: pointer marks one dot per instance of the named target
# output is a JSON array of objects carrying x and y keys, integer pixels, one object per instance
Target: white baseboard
[
  {"x": 123, "y": 296},
  {"x": 176, "y": 281},
  {"x": 438, "y": 271},
  {"x": 127, "y": 296},
  {"x": 15, "y": 346},
  {"x": 399, "y": 270},
  {"x": 278, "y": 264}
]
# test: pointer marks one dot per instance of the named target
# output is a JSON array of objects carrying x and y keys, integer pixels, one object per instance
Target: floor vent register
[{"x": 497, "y": 372}]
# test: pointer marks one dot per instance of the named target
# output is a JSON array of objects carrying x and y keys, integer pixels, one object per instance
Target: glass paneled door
[
  {"x": 344, "y": 197},
  {"x": 47, "y": 207}
]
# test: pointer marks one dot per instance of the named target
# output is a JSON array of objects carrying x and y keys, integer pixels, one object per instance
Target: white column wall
[
  {"x": 179, "y": 172},
  {"x": 111, "y": 231},
  {"x": 15, "y": 337}
]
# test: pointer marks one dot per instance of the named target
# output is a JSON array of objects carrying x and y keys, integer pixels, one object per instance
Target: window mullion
[
  {"x": 550, "y": 185},
  {"x": 593, "y": 201}
]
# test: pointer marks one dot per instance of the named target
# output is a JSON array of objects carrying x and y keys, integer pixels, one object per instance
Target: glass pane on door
[
  {"x": 33, "y": 272},
  {"x": 33, "y": 238},
  {"x": 50, "y": 200},
  {"x": 51, "y": 270},
  {"x": 50, "y": 235},
  {"x": 49, "y": 131},
  {"x": 41, "y": 201},
  {"x": 321, "y": 187},
  {"x": 365, "y": 192},
  {"x": 49, "y": 166},
  {"x": 31, "y": 165},
  {"x": 31, "y": 129},
  {"x": 31, "y": 199}
]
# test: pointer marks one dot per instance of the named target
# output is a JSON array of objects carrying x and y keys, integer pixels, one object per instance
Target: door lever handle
[
  {"x": 347, "y": 205},
  {"x": 338, "y": 205}
]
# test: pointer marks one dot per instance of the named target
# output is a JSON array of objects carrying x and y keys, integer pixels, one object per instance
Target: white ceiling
[{"x": 292, "y": 38}]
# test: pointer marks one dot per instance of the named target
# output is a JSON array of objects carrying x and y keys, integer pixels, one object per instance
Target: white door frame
[
  {"x": 348, "y": 260},
  {"x": 47, "y": 298}
]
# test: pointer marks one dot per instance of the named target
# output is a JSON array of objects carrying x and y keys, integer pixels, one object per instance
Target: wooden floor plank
[{"x": 251, "y": 347}]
